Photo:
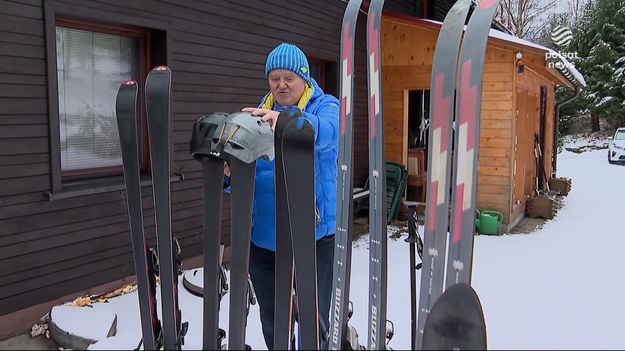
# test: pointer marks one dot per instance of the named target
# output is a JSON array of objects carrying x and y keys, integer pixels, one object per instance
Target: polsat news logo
[{"x": 561, "y": 37}]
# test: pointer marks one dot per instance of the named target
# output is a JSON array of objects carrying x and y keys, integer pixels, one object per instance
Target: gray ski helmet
[
  {"x": 203, "y": 130},
  {"x": 244, "y": 137}
]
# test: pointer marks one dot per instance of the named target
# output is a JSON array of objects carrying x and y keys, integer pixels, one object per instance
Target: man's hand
[{"x": 264, "y": 114}]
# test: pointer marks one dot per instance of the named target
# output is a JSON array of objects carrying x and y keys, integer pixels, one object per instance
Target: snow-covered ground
[{"x": 560, "y": 287}]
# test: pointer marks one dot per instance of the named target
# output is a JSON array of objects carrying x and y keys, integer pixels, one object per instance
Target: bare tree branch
[{"x": 522, "y": 17}]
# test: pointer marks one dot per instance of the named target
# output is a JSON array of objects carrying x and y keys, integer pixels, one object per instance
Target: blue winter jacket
[{"x": 322, "y": 110}]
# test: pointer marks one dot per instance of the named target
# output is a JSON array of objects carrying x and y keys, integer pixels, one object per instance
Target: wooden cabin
[{"x": 518, "y": 104}]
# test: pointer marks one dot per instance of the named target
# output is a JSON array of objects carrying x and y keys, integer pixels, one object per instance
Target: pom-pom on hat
[{"x": 288, "y": 56}]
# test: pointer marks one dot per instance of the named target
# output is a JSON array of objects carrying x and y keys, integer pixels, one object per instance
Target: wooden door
[{"x": 524, "y": 169}]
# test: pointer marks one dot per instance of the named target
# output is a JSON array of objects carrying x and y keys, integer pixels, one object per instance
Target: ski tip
[
  {"x": 486, "y": 4},
  {"x": 456, "y": 321},
  {"x": 161, "y": 68},
  {"x": 129, "y": 82}
]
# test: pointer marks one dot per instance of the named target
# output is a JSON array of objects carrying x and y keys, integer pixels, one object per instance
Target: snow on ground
[{"x": 560, "y": 287}]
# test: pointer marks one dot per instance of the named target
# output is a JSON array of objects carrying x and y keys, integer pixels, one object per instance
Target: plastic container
[{"x": 488, "y": 221}]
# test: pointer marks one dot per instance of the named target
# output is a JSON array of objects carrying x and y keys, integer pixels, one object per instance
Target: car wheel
[{"x": 609, "y": 160}]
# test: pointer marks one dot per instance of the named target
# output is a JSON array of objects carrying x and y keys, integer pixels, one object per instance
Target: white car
[{"x": 616, "y": 150}]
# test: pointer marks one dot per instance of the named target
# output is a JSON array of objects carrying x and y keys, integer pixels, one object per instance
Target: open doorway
[
  {"x": 418, "y": 130},
  {"x": 418, "y": 117}
]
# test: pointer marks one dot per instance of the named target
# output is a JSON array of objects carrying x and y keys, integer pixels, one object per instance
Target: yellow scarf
[{"x": 303, "y": 101}]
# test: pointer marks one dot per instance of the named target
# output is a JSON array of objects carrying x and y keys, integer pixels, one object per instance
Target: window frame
[
  {"x": 158, "y": 51},
  {"x": 143, "y": 36}
]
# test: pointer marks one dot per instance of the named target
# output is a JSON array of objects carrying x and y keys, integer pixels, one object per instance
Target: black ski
[
  {"x": 456, "y": 321},
  {"x": 213, "y": 170},
  {"x": 157, "y": 95},
  {"x": 298, "y": 151},
  {"x": 439, "y": 161},
  {"x": 467, "y": 142},
  {"x": 126, "y": 111},
  {"x": 377, "y": 337},
  {"x": 339, "y": 317},
  {"x": 284, "y": 273},
  {"x": 241, "y": 203},
  {"x": 242, "y": 162}
]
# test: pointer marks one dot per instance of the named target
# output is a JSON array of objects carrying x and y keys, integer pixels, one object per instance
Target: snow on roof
[{"x": 565, "y": 67}]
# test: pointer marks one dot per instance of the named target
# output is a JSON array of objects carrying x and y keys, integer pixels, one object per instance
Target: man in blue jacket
[{"x": 290, "y": 83}]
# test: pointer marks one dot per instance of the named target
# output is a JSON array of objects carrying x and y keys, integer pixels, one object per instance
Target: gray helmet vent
[{"x": 244, "y": 137}]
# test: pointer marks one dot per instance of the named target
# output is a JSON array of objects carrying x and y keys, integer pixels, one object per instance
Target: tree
[
  {"x": 554, "y": 19},
  {"x": 574, "y": 9},
  {"x": 523, "y": 17},
  {"x": 599, "y": 41},
  {"x": 568, "y": 13}
]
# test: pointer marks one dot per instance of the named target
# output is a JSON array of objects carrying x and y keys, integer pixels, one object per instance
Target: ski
[
  {"x": 298, "y": 152},
  {"x": 340, "y": 313},
  {"x": 284, "y": 269},
  {"x": 378, "y": 335},
  {"x": 439, "y": 161},
  {"x": 157, "y": 96},
  {"x": 467, "y": 141},
  {"x": 126, "y": 112},
  {"x": 242, "y": 180},
  {"x": 233, "y": 142},
  {"x": 213, "y": 170},
  {"x": 456, "y": 321}
]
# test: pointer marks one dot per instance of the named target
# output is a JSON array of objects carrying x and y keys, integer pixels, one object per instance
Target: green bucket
[{"x": 488, "y": 221}]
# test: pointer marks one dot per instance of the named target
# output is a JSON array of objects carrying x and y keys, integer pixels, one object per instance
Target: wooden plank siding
[
  {"x": 438, "y": 9},
  {"x": 527, "y": 123},
  {"x": 403, "y": 70},
  {"x": 216, "y": 49},
  {"x": 495, "y": 161}
]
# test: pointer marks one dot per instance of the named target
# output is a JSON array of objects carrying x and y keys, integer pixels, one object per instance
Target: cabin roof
[{"x": 562, "y": 64}]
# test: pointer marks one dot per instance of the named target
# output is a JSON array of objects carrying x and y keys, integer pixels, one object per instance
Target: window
[
  {"x": 89, "y": 53},
  {"x": 316, "y": 71},
  {"x": 325, "y": 74},
  {"x": 92, "y": 61}
]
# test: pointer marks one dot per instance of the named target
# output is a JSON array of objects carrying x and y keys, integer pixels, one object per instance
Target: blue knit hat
[{"x": 288, "y": 56}]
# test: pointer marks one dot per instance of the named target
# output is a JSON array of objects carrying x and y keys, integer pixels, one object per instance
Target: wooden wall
[
  {"x": 216, "y": 50},
  {"x": 525, "y": 125},
  {"x": 407, "y": 55},
  {"x": 496, "y": 134}
]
